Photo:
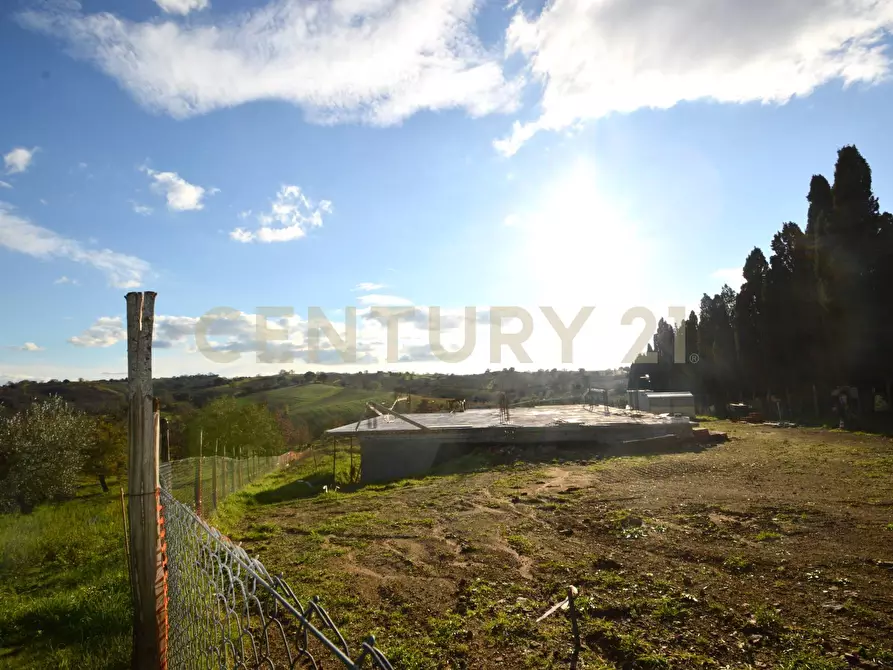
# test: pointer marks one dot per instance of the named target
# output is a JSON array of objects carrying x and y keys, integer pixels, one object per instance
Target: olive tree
[
  {"x": 41, "y": 453},
  {"x": 106, "y": 451}
]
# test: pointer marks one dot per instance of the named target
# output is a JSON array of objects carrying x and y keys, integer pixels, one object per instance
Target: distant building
[{"x": 663, "y": 402}]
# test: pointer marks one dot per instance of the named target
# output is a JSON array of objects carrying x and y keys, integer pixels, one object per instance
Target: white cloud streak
[
  {"x": 66, "y": 280},
  {"x": 595, "y": 57},
  {"x": 18, "y": 160},
  {"x": 378, "y": 61},
  {"x": 366, "y": 286},
  {"x": 181, "y": 196},
  {"x": 182, "y": 7},
  {"x": 379, "y": 300},
  {"x": 291, "y": 215},
  {"x": 5, "y": 184},
  {"x": 20, "y": 235},
  {"x": 142, "y": 210},
  {"x": 28, "y": 346}
]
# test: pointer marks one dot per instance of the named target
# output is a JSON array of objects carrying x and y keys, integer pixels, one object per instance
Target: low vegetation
[
  {"x": 64, "y": 587},
  {"x": 767, "y": 551}
]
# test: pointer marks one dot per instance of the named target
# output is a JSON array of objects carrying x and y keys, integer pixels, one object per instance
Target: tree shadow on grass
[
  {"x": 69, "y": 619},
  {"x": 308, "y": 486},
  {"x": 481, "y": 458},
  {"x": 486, "y": 457}
]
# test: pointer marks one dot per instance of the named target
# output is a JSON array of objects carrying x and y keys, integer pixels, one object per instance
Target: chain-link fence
[
  {"x": 224, "y": 609},
  {"x": 203, "y": 482}
]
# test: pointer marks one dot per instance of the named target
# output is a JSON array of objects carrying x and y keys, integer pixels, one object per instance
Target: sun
[{"x": 579, "y": 240}]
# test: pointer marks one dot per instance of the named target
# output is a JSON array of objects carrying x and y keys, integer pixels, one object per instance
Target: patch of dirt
[{"x": 774, "y": 549}]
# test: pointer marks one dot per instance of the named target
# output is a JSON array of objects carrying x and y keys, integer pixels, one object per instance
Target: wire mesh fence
[
  {"x": 225, "y": 610},
  {"x": 203, "y": 482}
]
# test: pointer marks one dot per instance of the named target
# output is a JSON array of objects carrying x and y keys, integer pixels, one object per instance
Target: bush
[{"x": 41, "y": 453}]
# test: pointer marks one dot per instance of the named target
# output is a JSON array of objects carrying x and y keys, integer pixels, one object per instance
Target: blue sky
[{"x": 407, "y": 152}]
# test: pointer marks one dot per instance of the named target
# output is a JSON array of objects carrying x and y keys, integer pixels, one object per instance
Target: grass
[
  {"x": 768, "y": 536},
  {"x": 520, "y": 544},
  {"x": 737, "y": 563},
  {"x": 324, "y": 406},
  {"x": 64, "y": 586}
]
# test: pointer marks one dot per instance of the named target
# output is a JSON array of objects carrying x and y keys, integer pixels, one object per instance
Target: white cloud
[
  {"x": 291, "y": 214},
  {"x": 511, "y": 220},
  {"x": 19, "y": 234},
  {"x": 28, "y": 346},
  {"x": 4, "y": 184},
  {"x": 380, "y": 300},
  {"x": 367, "y": 286},
  {"x": 66, "y": 280},
  {"x": 180, "y": 194},
  {"x": 595, "y": 57},
  {"x": 182, "y": 7},
  {"x": 18, "y": 159},
  {"x": 107, "y": 330},
  {"x": 242, "y": 235},
  {"x": 142, "y": 210},
  {"x": 378, "y": 61},
  {"x": 730, "y": 276}
]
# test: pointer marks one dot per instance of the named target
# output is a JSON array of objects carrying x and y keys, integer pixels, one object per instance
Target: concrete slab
[{"x": 393, "y": 449}]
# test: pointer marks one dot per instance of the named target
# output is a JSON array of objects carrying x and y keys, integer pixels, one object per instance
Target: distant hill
[
  {"x": 320, "y": 406},
  {"x": 322, "y": 400}
]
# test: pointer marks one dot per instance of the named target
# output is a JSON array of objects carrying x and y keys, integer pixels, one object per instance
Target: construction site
[{"x": 395, "y": 445}]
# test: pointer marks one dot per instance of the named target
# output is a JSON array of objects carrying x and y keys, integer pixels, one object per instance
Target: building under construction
[{"x": 395, "y": 445}]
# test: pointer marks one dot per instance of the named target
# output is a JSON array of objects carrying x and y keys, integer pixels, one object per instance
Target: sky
[{"x": 279, "y": 169}]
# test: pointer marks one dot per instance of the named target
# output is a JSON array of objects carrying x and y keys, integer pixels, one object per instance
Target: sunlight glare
[{"x": 581, "y": 243}]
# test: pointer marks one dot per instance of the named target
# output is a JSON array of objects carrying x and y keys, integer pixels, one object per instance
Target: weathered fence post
[
  {"x": 149, "y": 585},
  {"x": 165, "y": 442},
  {"x": 214, "y": 478},
  {"x": 198, "y": 476},
  {"x": 223, "y": 472}
]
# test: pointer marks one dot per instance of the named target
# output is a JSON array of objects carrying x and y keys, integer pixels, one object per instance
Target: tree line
[
  {"x": 812, "y": 318},
  {"x": 51, "y": 447}
]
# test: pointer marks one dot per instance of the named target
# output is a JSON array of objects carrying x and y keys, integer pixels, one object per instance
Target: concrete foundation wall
[{"x": 396, "y": 456}]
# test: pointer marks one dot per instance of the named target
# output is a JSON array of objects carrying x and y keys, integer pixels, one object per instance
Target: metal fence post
[{"x": 149, "y": 584}]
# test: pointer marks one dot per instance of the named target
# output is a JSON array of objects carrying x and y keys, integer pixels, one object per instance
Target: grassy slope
[
  {"x": 64, "y": 586},
  {"x": 324, "y": 406}
]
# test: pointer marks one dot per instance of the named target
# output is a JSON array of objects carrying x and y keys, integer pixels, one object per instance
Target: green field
[
  {"x": 324, "y": 406},
  {"x": 64, "y": 585}
]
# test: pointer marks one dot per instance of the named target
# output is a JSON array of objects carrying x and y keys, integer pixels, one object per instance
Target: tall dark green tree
[{"x": 750, "y": 323}]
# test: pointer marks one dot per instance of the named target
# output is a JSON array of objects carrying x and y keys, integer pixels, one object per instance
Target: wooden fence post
[
  {"x": 165, "y": 442},
  {"x": 232, "y": 472},
  {"x": 223, "y": 472},
  {"x": 214, "y": 478},
  {"x": 149, "y": 583},
  {"x": 198, "y": 476}
]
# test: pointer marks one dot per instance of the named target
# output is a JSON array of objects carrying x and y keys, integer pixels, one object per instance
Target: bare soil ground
[{"x": 773, "y": 550}]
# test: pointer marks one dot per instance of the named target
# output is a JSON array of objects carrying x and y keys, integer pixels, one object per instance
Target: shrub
[{"x": 41, "y": 453}]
